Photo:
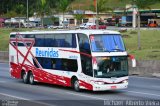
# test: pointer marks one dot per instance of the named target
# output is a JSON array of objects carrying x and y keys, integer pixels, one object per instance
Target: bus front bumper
[{"x": 105, "y": 87}]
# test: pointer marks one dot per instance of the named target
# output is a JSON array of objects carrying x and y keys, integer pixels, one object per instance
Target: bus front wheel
[
  {"x": 76, "y": 85},
  {"x": 31, "y": 78}
]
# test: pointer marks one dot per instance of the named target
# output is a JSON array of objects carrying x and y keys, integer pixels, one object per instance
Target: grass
[
  {"x": 84, "y": 4},
  {"x": 150, "y": 46}
]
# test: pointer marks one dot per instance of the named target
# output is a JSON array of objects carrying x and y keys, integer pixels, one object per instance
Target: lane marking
[
  {"x": 156, "y": 86},
  {"x": 14, "y": 96},
  {"x": 156, "y": 78},
  {"x": 29, "y": 100},
  {"x": 2, "y": 81},
  {"x": 86, "y": 96},
  {"x": 142, "y": 93}
]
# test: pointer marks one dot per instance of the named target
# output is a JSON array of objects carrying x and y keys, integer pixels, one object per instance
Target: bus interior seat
[
  {"x": 47, "y": 63},
  {"x": 58, "y": 64}
]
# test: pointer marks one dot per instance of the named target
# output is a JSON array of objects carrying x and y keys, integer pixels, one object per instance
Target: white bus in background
[{"x": 83, "y": 59}]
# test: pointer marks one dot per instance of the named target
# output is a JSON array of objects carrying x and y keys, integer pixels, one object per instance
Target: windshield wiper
[
  {"x": 102, "y": 49},
  {"x": 117, "y": 50}
]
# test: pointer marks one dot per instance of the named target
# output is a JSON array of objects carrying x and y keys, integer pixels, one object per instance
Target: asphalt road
[{"x": 15, "y": 93}]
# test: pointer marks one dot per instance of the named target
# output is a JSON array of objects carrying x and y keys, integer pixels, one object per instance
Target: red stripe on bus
[
  {"x": 20, "y": 53},
  {"x": 41, "y": 75},
  {"x": 73, "y": 51}
]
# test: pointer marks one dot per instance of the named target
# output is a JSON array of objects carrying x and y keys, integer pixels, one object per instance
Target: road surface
[{"x": 14, "y": 92}]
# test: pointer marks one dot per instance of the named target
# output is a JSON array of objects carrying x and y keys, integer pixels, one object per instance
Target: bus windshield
[
  {"x": 107, "y": 43},
  {"x": 111, "y": 67}
]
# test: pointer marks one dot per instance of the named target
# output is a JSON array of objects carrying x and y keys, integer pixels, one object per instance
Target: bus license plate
[{"x": 113, "y": 87}]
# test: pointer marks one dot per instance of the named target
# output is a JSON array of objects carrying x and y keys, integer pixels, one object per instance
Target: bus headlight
[
  {"x": 125, "y": 81},
  {"x": 99, "y": 82}
]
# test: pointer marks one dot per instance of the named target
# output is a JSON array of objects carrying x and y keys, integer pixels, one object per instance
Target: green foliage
[
  {"x": 19, "y": 6},
  {"x": 149, "y": 42},
  {"x": 101, "y": 6},
  {"x": 10, "y": 14},
  {"x": 79, "y": 17},
  {"x": 19, "y": 9},
  {"x": 144, "y": 3},
  {"x": 43, "y": 3},
  {"x": 63, "y": 5}
]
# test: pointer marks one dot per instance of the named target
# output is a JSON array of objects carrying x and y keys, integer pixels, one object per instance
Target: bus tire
[
  {"x": 25, "y": 77},
  {"x": 76, "y": 85},
  {"x": 31, "y": 78}
]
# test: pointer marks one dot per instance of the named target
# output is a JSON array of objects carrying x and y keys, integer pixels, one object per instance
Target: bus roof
[{"x": 87, "y": 32}]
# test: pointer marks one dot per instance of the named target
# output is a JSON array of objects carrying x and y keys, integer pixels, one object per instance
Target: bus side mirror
[{"x": 133, "y": 60}]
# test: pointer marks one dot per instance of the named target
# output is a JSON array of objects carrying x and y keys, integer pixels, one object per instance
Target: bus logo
[{"x": 46, "y": 53}]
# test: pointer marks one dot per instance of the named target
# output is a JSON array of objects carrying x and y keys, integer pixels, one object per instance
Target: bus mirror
[{"x": 133, "y": 60}]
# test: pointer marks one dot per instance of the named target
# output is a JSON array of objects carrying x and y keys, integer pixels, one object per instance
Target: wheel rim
[
  {"x": 24, "y": 77},
  {"x": 31, "y": 78},
  {"x": 76, "y": 85}
]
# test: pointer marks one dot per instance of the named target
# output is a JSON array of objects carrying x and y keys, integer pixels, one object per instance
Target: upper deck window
[
  {"x": 107, "y": 43},
  {"x": 56, "y": 40}
]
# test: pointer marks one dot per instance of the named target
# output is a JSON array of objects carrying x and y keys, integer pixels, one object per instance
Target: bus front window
[
  {"x": 111, "y": 67},
  {"x": 107, "y": 43}
]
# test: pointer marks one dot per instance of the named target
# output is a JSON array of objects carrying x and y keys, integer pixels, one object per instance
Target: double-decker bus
[{"x": 83, "y": 59}]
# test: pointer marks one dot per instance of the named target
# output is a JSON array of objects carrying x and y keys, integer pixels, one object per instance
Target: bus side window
[
  {"x": 57, "y": 64},
  {"x": 39, "y": 40},
  {"x": 74, "y": 41},
  {"x": 84, "y": 43},
  {"x": 47, "y": 63},
  {"x": 12, "y": 36}
]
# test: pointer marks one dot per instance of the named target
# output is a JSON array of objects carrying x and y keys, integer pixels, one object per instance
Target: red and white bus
[{"x": 83, "y": 59}]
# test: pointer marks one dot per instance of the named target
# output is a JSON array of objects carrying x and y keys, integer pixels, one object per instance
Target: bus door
[{"x": 85, "y": 56}]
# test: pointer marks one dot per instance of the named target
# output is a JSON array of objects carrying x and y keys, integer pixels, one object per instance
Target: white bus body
[{"x": 70, "y": 58}]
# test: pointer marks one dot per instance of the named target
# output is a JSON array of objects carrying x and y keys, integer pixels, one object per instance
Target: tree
[
  {"x": 141, "y": 4},
  {"x": 42, "y": 10},
  {"x": 99, "y": 6},
  {"x": 78, "y": 17},
  {"x": 54, "y": 19},
  {"x": 19, "y": 9},
  {"x": 63, "y": 7}
]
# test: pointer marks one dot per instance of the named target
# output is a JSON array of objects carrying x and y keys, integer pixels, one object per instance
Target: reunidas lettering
[{"x": 46, "y": 53}]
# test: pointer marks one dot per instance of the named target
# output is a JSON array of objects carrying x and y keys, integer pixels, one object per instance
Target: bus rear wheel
[
  {"x": 24, "y": 77},
  {"x": 31, "y": 78},
  {"x": 76, "y": 85}
]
